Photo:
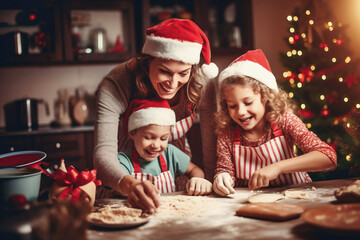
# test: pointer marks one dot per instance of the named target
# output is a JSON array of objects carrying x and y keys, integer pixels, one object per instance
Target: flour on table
[
  {"x": 170, "y": 206},
  {"x": 116, "y": 213},
  {"x": 184, "y": 205},
  {"x": 265, "y": 197}
]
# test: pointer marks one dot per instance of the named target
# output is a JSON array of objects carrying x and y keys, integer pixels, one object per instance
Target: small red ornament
[
  {"x": 324, "y": 112},
  {"x": 292, "y": 76},
  {"x": 306, "y": 113},
  {"x": 339, "y": 42},
  {"x": 351, "y": 79},
  {"x": 306, "y": 74}
]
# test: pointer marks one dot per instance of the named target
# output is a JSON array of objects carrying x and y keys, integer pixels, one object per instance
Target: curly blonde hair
[
  {"x": 276, "y": 103},
  {"x": 145, "y": 89}
]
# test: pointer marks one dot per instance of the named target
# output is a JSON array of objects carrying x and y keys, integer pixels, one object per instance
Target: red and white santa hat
[
  {"x": 252, "y": 64},
  {"x": 180, "y": 40},
  {"x": 143, "y": 112}
]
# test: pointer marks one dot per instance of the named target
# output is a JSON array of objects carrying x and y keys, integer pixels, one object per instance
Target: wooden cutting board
[{"x": 271, "y": 211}]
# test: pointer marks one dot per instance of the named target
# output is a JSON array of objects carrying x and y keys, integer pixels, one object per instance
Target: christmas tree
[{"x": 321, "y": 77}]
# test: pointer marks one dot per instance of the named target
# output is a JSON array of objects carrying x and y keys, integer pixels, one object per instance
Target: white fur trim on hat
[
  {"x": 151, "y": 115},
  {"x": 184, "y": 51},
  {"x": 250, "y": 69}
]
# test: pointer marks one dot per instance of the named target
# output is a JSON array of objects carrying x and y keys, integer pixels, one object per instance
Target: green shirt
[{"x": 177, "y": 162}]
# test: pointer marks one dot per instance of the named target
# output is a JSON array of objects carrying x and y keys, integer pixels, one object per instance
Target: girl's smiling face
[
  {"x": 150, "y": 141},
  {"x": 246, "y": 108},
  {"x": 168, "y": 76}
]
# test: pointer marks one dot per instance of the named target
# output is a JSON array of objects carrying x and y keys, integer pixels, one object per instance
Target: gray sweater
[{"x": 113, "y": 97}]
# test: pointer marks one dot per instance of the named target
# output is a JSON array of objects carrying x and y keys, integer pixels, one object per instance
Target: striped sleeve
[{"x": 181, "y": 127}]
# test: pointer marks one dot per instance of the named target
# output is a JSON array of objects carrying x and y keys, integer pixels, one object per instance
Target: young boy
[{"x": 148, "y": 123}]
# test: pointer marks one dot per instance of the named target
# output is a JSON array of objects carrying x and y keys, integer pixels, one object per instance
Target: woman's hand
[
  {"x": 263, "y": 176},
  {"x": 143, "y": 195},
  {"x": 223, "y": 184},
  {"x": 198, "y": 186}
]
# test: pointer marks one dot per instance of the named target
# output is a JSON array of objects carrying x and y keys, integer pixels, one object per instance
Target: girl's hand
[
  {"x": 223, "y": 184},
  {"x": 143, "y": 195},
  {"x": 263, "y": 176},
  {"x": 198, "y": 186}
]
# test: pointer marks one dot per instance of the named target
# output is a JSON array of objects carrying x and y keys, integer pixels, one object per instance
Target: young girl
[
  {"x": 257, "y": 130},
  {"x": 167, "y": 68},
  {"x": 148, "y": 123}
]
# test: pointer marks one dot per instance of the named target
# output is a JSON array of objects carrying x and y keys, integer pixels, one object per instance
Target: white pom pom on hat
[
  {"x": 252, "y": 64},
  {"x": 180, "y": 40}
]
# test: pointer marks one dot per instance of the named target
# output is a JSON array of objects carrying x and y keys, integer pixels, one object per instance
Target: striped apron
[
  {"x": 249, "y": 159},
  {"x": 164, "y": 181},
  {"x": 181, "y": 127}
]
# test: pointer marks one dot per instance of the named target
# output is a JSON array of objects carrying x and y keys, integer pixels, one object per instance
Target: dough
[
  {"x": 297, "y": 194},
  {"x": 265, "y": 197},
  {"x": 270, "y": 211},
  {"x": 349, "y": 194},
  {"x": 111, "y": 214}
]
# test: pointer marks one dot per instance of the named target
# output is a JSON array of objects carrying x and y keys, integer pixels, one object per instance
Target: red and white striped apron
[
  {"x": 249, "y": 159},
  {"x": 181, "y": 127},
  {"x": 164, "y": 182}
]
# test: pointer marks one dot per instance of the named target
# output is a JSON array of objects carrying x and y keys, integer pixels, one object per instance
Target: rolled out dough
[
  {"x": 265, "y": 197},
  {"x": 297, "y": 194}
]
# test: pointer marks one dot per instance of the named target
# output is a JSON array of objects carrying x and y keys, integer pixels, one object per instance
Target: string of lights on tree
[{"x": 321, "y": 77}]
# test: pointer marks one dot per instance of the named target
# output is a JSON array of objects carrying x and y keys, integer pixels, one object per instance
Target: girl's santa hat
[
  {"x": 180, "y": 40},
  {"x": 252, "y": 64},
  {"x": 143, "y": 112}
]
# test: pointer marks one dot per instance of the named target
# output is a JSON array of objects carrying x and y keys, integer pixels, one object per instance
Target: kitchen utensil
[
  {"x": 22, "y": 114},
  {"x": 19, "y": 181},
  {"x": 21, "y": 159},
  {"x": 14, "y": 43}
]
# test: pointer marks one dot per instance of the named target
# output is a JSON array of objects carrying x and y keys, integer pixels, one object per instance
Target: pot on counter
[{"x": 22, "y": 114}]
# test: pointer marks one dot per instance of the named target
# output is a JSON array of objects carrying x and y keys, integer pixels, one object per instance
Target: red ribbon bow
[{"x": 72, "y": 179}]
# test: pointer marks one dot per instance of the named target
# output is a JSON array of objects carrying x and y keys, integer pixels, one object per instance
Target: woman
[{"x": 168, "y": 68}]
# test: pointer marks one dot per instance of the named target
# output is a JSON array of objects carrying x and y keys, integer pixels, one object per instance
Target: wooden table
[{"x": 220, "y": 222}]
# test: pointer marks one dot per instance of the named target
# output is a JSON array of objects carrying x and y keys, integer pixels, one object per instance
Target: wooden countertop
[{"x": 220, "y": 221}]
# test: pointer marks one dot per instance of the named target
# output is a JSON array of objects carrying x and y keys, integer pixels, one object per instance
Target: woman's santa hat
[
  {"x": 143, "y": 112},
  {"x": 252, "y": 64},
  {"x": 180, "y": 40}
]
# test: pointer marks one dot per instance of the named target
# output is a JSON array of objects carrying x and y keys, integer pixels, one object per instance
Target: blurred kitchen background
[{"x": 57, "y": 52}]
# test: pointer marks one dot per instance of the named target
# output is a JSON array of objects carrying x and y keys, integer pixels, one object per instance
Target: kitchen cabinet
[
  {"x": 30, "y": 32},
  {"x": 75, "y": 147},
  {"x": 98, "y": 31},
  {"x": 38, "y": 32},
  {"x": 227, "y": 23},
  {"x": 63, "y": 31}
]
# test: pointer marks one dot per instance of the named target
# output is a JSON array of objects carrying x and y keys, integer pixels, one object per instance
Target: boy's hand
[
  {"x": 198, "y": 186},
  {"x": 143, "y": 195},
  {"x": 223, "y": 184}
]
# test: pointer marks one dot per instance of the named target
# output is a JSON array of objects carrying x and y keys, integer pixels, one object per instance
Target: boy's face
[{"x": 150, "y": 141}]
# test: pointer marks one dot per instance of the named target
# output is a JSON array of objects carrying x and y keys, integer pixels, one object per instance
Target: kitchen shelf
[
  {"x": 112, "y": 31},
  {"x": 227, "y": 23}
]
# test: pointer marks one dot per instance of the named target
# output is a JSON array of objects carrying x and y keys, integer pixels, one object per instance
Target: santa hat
[
  {"x": 252, "y": 64},
  {"x": 180, "y": 40},
  {"x": 143, "y": 112}
]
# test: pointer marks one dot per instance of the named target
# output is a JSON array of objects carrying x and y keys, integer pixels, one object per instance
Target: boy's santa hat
[
  {"x": 180, "y": 40},
  {"x": 252, "y": 64},
  {"x": 143, "y": 112}
]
